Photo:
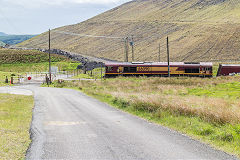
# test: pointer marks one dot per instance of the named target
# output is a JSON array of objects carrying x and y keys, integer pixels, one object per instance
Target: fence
[{"x": 14, "y": 79}]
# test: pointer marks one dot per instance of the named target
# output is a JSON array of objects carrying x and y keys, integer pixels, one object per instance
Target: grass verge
[{"x": 15, "y": 119}]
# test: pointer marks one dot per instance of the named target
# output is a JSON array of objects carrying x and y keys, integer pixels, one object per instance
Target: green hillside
[
  {"x": 14, "y": 39},
  {"x": 199, "y": 30}
]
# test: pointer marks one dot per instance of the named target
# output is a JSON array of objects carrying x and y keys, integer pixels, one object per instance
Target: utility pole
[
  {"x": 159, "y": 53},
  {"x": 49, "y": 47},
  {"x": 101, "y": 71},
  {"x": 132, "y": 44},
  {"x": 126, "y": 49},
  {"x": 168, "y": 59}
]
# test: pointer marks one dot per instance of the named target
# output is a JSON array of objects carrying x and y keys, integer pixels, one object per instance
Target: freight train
[{"x": 191, "y": 69}]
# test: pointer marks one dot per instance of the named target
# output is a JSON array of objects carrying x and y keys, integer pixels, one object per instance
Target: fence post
[
  {"x": 12, "y": 80},
  {"x": 6, "y": 80}
]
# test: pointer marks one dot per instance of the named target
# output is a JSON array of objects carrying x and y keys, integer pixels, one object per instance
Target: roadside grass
[
  {"x": 205, "y": 108},
  {"x": 15, "y": 119}
]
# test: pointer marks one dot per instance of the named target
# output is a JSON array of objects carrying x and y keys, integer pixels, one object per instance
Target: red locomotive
[{"x": 202, "y": 69}]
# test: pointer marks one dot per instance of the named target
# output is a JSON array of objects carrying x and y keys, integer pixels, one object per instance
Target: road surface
[{"x": 70, "y": 125}]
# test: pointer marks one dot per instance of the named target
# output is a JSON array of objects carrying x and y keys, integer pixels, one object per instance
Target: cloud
[{"x": 36, "y": 16}]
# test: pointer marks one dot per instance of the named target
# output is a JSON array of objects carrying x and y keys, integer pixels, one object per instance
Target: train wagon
[
  {"x": 201, "y": 69},
  {"x": 228, "y": 69}
]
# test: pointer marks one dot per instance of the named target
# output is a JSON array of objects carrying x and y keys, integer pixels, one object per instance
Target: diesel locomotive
[{"x": 201, "y": 69}]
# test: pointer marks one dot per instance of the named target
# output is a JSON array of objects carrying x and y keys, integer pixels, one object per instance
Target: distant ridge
[
  {"x": 3, "y": 34},
  {"x": 13, "y": 39},
  {"x": 2, "y": 44},
  {"x": 199, "y": 30}
]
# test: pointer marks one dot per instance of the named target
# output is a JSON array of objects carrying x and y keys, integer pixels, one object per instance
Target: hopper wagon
[{"x": 228, "y": 69}]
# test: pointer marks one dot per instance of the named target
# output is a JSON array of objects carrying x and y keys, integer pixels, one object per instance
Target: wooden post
[
  {"x": 12, "y": 80},
  {"x": 126, "y": 49},
  {"x": 132, "y": 49},
  {"x": 6, "y": 80},
  {"x": 49, "y": 47},
  {"x": 168, "y": 57},
  {"x": 159, "y": 59}
]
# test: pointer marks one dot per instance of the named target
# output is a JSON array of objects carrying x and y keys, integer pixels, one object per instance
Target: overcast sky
[{"x": 37, "y": 16}]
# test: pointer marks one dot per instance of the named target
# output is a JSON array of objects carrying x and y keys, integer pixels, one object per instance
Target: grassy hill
[
  {"x": 199, "y": 30},
  {"x": 10, "y": 56}
]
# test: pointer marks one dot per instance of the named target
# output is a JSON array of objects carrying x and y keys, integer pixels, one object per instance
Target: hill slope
[
  {"x": 11, "y": 56},
  {"x": 199, "y": 30}
]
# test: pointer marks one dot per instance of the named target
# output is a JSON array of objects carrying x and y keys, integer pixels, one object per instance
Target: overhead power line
[
  {"x": 10, "y": 22},
  {"x": 86, "y": 35}
]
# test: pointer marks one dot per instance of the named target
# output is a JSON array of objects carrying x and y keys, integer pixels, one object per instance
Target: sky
[{"x": 37, "y": 16}]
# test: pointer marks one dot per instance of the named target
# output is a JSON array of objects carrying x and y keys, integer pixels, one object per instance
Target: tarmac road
[{"x": 70, "y": 125}]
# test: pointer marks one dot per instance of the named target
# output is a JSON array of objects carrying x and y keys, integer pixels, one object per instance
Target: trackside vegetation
[
  {"x": 206, "y": 109},
  {"x": 15, "y": 119}
]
